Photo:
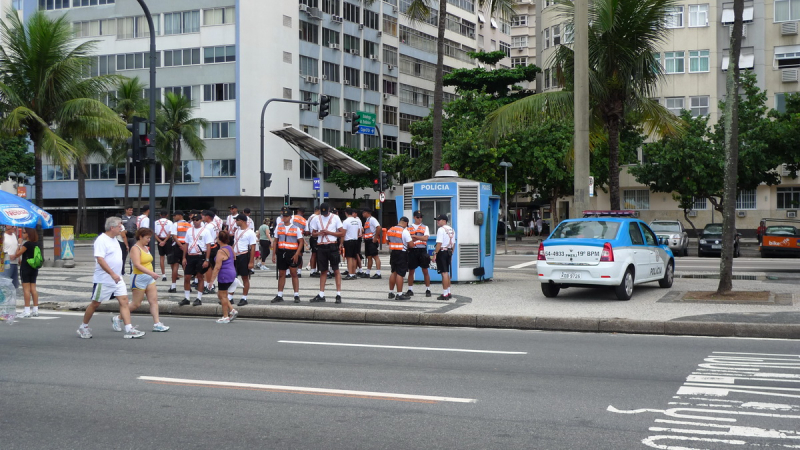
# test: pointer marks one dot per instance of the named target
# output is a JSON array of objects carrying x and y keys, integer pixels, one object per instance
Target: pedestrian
[
  {"x": 28, "y": 274},
  {"x": 328, "y": 229},
  {"x": 250, "y": 223},
  {"x": 178, "y": 236},
  {"x": 143, "y": 221},
  {"x": 225, "y": 273},
  {"x": 143, "y": 280},
  {"x": 264, "y": 242},
  {"x": 539, "y": 226},
  {"x": 762, "y": 229},
  {"x": 398, "y": 238},
  {"x": 244, "y": 248},
  {"x": 372, "y": 237},
  {"x": 11, "y": 263},
  {"x": 107, "y": 280},
  {"x": 126, "y": 238},
  {"x": 162, "y": 228},
  {"x": 312, "y": 243},
  {"x": 196, "y": 255},
  {"x": 352, "y": 231},
  {"x": 218, "y": 222},
  {"x": 230, "y": 221},
  {"x": 418, "y": 254},
  {"x": 287, "y": 253},
  {"x": 209, "y": 222},
  {"x": 445, "y": 242}
]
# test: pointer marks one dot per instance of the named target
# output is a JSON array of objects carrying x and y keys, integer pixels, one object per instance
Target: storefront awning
[{"x": 313, "y": 146}]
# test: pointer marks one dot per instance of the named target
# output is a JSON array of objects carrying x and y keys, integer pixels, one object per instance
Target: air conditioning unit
[
  {"x": 394, "y": 9},
  {"x": 315, "y": 13},
  {"x": 304, "y": 8},
  {"x": 333, "y": 46},
  {"x": 353, "y": 51},
  {"x": 361, "y": 26},
  {"x": 365, "y": 86},
  {"x": 380, "y": 33},
  {"x": 788, "y": 28},
  {"x": 789, "y": 75},
  {"x": 373, "y": 57},
  {"x": 304, "y": 107},
  {"x": 741, "y": 213},
  {"x": 791, "y": 214},
  {"x": 390, "y": 67},
  {"x": 385, "y": 96},
  {"x": 347, "y": 82},
  {"x": 337, "y": 19},
  {"x": 324, "y": 77},
  {"x": 312, "y": 80},
  {"x": 519, "y": 49},
  {"x": 785, "y": 172},
  {"x": 692, "y": 213}
]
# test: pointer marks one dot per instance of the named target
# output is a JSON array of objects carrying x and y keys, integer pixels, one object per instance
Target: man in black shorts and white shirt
[
  {"x": 418, "y": 254},
  {"x": 312, "y": 242},
  {"x": 162, "y": 228},
  {"x": 196, "y": 258},
  {"x": 372, "y": 237},
  {"x": 445, "y": 242},
  {"x": 352, "y": 244},
  {"x": 209, "y": 222},
  {"x": 327, "y": 228},
  {"x": 244, "y": 246}
]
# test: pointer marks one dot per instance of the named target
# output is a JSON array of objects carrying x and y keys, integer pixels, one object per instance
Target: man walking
[
  {"x": 372, "y": 237},
  {"x": 327, "y": 228},
  {"x": 178, "y": 236},
  {"x": 244, "y": 247},
  {"x": 445, "y": 242},
  {"x": 352, "y": 231},
  {"x": 196, "y": 256},
  {"x": 286, "y": 253},
  {"x": 107, "y": 280},
  {"x": 418, "y": 254},
  {"x": 163, "y": 241},
  {"x": 230, "y": 221},
  {"x": 398, "y": 239},
  {"x": 126, "y": 237},
  {"x": 312, "y": 242}
]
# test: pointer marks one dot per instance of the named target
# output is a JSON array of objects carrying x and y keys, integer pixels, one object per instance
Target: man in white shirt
[
  {"x": 328, "y": 228},
  {"x": 108, "y": 281},
  {"x": 143, "y": 221},
  {"x": 244, "y": 247},
  {"x": 196, "y": 258},
  {"x": 250, "y": 223},
  {"x": 352, "y": 231},
  {"x": 445, "y": 242},
  {"x": 372, "y": 237},
  {"x": 213, "y": 225},
  {"x": 10, "y": 247},
  {"x": 163, "y": 228},
  {"x": 398, "y": 239},
  {"x": 312, "y": 242},
  {"x": 418, "y": 254},
  {"x": 230, "y": 221}
]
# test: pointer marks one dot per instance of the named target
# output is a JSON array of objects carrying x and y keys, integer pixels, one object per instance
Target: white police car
[{"x": 603, "y": 251}]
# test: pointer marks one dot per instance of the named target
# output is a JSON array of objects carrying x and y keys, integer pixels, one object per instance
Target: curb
[{"x": 575, "y": 324}]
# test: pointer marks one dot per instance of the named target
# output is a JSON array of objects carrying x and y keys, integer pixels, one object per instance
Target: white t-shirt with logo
[
  {"x": 351, "y": 227},
  {"x": 163, "y": 228},
  {"x": 107, "y": 248},
  {"x": 446, "y": 236},
  {"x": 243, "y": 239},
  {"x": 142, "y": 222},
  {"x": 203, "y": 235},
  {"x": 331, "y": 223}
]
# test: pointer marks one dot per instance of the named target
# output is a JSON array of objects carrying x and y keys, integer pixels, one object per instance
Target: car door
[
  {"x": 656, "y": 266},
  {"x": 641, "y": 254}
]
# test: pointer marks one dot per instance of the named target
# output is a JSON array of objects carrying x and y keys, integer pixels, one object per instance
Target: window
[
  {"x": 546, "y": 37},
  {"x": 56, "y": 173},
  {"x": 131, "y": 61},
  {"x": 788, "y": 197},
  {"x": 418, "y": 68},
  {"x": 390, "y": 85},
  {"x": 784, "y": 57},
  {"x": 780, "y": 102},
  {"x": 307, "y": 96},
  {"x": 329, "y": 37},
  {"x": 351, "y": 13},
  {"x": 372, "y": 19},
  {"x": 746, "y": 199},
  {"x": 433, "y": 208},
  {"x": 331, "y": 7},
  {"x": 219, "y": 168},
  {"x": 101, "y": 172},
  {"x": 699, "y": 105},
  {"x": 100, "y": 65},
  {"x": 352, "y": 43},
  {"x": 309, "y": 66},
  {"x": 135, "y": 27},
  {"x": 93, "y": 28},
  {"x": 332, "y": 137},
  {"x": 787, "y": 10},
  {"x": 519, "y": 21},
  {"x": 310, "y": 3},
  {"x": 220, "y": 130},
  {"x": 547, "y": 78},
  {"x": 351, "y": 105},
  {"x": 219, "y": 92},
  {"x": 556, "y": 35},
  {"x": 334, "y": 108},
  {"x": 519, "y": 42},
  {"x": 417, "y": 39},
  {"x": 371, "y": 81},
  {"x": 519, "y": 62},
  {"x": 190, "y": 172},
  {"x": 308, "y": 169},
  {"x": 371, "y": 49},
  {"x": 636, "y": 199},
  {"x": 389, "y": 115},
  {"x": 505, "y": 27},
  {"x": 219, "y": 54},
  {"x": 370, "y": 108},
  {"x": 416, "y": 96},
  {"x": 352, "y": 76},
  {"x": 219, "y": 16},
  {"x": 699, "y": 203},
  {"x": 371, "y": 141},
  {"x": 554, "y": 76},
  {"x": 181, "y": 57},
  {"x": 390, "y": 142},
  {"x": 674, "y": 17},
  {"x": 330, "y": 72},
  {"x": 390, "y": 55},
  {"x": 182, "y": 22},
  {"x": 390, "y": 25},
  {"x": 406, "y": 120},
  {"x": 190, "y": 92},
  {"x": 674, "y": 62},
  {"x": 505, "y": 48},
  {"x": 698, "y": 61},
  {"x": 675, "y": 105},
  {"x": 698, "y": 15},
  {"x": 309, "y": 32}
]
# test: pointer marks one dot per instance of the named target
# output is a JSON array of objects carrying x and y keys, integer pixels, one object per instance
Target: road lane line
[
  {"x": 520, "y": 266},
  {"x": 307, "y": 390},
  {"x": 400, "y": 347}
]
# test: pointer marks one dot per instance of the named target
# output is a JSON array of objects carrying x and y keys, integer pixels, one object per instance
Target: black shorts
[
  {"x": 443, "y": 261},
  {"x": 163, "y": 250},
  {"x": 176, "y": 255},
  {"x": 360, "y": 240},
  {"x": 284, "y": 259},
  {"x": 328, "y": 257},
  {"x": 194, "y": 265},
  {"x": 313, "y": 244},
  {"x": 352, "y": 248},
  {"x": 418, "y": 257},
  {"x": 370, "y": 248},
  {"x": 27, "y": 274},
  {"x": 398, "y": 260},
  {"x": 224, "y": 286},
  {"x": 242, "y": 264}
]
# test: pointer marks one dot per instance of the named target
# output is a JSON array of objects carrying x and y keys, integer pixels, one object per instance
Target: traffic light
[
  {"x": 355, "y": 121},
  {"x": 136, "y": 144},
  {"x": 376, "y": 185},
  {"x": 287, "y": 200},
  {"x": 324, "y": 107},
  {"x": 266, "y": 180},
  {"x": 384, "y": 182}
]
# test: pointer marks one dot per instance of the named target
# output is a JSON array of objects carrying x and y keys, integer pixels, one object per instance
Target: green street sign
[{"x": 366, "y": 119}]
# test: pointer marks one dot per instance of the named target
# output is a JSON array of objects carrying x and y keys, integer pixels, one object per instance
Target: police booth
[{"x": 472, "y": 211}]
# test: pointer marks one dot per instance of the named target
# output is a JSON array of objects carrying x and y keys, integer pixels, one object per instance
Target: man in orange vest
[
  {"x": 178, "y": 235},
  {"x": 398, "y": 238},
  {"x": 287, "y": 250},
  {"x": 418, "y": 254}
]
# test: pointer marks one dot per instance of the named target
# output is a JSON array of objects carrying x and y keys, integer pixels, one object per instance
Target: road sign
[
  {"x": 370, "y": 131},
  {"x": 377, "y": 204},
  {"x": 367, "y": 118},
  {"x": 316, "y": 184},
  {"x": 327, "y": 194},
  {"x": 383, "y": 197}
]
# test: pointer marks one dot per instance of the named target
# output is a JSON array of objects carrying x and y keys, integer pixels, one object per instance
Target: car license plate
[
  {"x": 716, "y": 246},
  {"x": 570, "y": 275}
]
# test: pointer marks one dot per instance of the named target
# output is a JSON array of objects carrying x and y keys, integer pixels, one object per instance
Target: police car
[{"x": 618, "y": 252}]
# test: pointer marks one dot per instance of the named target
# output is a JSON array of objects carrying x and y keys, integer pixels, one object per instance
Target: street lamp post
[{"x": 506, "y": 165}]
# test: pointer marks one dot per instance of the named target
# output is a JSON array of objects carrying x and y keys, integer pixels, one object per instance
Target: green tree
[
  {"x": 15, "y": 156},
  {"x": 500, "y": 82},
  {"x": 369, "y": 157},
  {"x": 624, "y": 36},
  {"x": 129, "y": 101},
  {"x": 783, "y": 133},
  {"x": 44, "y": 83}
]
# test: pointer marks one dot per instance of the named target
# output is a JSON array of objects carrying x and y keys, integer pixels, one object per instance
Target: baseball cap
[
  {"x": 403, "y": 219},
  {"x": 324, "y": 208},
  {"x": 418, "y": 213},
  {"x": 441, "y": 217},
  {"x": 196, "y": 217},
  {"x": 285, "y": 211},
  {"x": 232, "y": 207},
  {"x": 241, "y": 217}
]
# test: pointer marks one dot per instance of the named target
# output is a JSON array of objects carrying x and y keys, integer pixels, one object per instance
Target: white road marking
[
  {"x": 399, "y": 347},
  {"x": 520, "y": 266},
  {"x": 309, "y": 390}
]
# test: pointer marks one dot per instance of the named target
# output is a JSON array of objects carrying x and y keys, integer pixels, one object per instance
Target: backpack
[{"x": 37, "y": 260}]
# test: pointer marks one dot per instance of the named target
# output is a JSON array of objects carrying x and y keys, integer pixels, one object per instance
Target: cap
[
  {"x": 246, "y": 210},
  {"x": 324, "y": 208},
  {"x": 441, "y": 217},
  {"x": 232, "y": 207},
  {"x": 418, "y": 213},
  {"x": 285, "y": 211},
  {"x": 196, "y": 217},
  {"x": 241, "y": 217},
  {"x": 403, "y": 219}
]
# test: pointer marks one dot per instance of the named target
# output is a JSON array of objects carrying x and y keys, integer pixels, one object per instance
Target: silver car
[{"x": 675, "y": 235}]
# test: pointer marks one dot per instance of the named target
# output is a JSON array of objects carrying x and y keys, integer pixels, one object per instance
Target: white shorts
[
  {"x": 102, "y": 292},
  {"x": 141, "y": 281}
]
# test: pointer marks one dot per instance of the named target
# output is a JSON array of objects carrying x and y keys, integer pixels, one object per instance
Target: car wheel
[
  {"x": 550, "y": 290},
  {"x": 625, "y": 288},
  {"x": 669, "y": 276}
]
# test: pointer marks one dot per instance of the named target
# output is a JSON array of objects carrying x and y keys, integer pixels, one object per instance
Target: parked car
[
  {"x": 710, "y": 241},
  {"x": 674, "y": 233},
  {"x": 614, "y": 252},
  {"x": 781, "y": 239}
]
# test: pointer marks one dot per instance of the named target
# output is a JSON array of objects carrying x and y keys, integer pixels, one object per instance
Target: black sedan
[{"x": 710, "y": 242}]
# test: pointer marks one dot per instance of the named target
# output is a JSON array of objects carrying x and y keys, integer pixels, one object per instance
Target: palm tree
[
  {"x": 44, "y": 84},
  {"x": 624, "y": 73},
  {"x": 86, "y": 148},
  {"x": 129, "y": 101},
  {"x": 175, "y": 127},
  {"x": 420, "y": 10}
]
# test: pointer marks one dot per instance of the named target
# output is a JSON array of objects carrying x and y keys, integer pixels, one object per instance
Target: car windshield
[
  {"x": 715, "y": 228},
  {"x": 665, "y": 226},
  {"x": 586, "y": 229},
  {"x": 784, "y": 230}
]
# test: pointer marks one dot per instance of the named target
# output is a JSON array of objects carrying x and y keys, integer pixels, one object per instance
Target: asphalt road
[
  {"x": 682, "y": 264},
  {"x": 291, "y": 385}
]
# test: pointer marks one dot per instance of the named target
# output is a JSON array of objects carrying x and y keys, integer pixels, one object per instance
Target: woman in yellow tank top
[{"x": 143, "y": 280}]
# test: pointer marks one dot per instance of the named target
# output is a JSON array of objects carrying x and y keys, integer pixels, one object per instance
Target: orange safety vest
[
  {"x": 286, "y": 239},
  {"x": 182, "y": 227},
  {"x": 418, "y": 230},
  {"x": 369, "y": 230},
  {"x": 395, "y": 238},
  {"x": 299, "y": 221}
]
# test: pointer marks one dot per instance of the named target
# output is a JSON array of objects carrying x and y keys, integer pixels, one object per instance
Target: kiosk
[{"x": 473, "y": 213}]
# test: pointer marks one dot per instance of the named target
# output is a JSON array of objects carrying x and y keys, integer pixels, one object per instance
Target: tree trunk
[
  {"x": 731, "y": 153},
  {"x": 127, "y": 182},
  {"x": 176, "y": 159},
  {"x": 438, "y": 91},
  {"x": 37, "y": 171},
  {"x": 80, "y": 223},
  {"x": 613, "y": 162}
]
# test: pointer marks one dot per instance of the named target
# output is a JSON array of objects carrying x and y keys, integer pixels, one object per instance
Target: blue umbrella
[{"x": 18, "y": 212}]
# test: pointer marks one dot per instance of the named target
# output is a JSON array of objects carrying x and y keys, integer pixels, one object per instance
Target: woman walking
[
  {"x": 10, "y": 247},
  {"x": 143, "y": 280},
  {"x": 226, "y": 271},
  {"x": 28, "y": 274},
  {"x": 264, "y": 242}
]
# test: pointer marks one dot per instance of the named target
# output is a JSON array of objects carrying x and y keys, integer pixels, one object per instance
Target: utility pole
[
  {"x": 150, "y": 155},
  {"x": 580, "y": 200}
]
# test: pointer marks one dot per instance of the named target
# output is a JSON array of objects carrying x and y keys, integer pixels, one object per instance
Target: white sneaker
[
  {"x": 160, "y": 327},
  {"x": 163, "y": 278},
  {"x": 233, "y": 314},
  {"x": 34, "y": 313},
  {"x": 116, "y": 323},
  {"x": 133, "y": 333},
  {"x": 224, "y": 320},
  {"x": 23, "y": 315},
  {"x": 85, "y": 333}
]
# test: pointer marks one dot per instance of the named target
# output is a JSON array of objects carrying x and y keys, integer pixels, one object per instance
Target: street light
[{"x": 506, "y": 165}]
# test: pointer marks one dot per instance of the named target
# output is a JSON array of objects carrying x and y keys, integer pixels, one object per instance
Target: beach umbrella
[{"x": 18, "y": 212}]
